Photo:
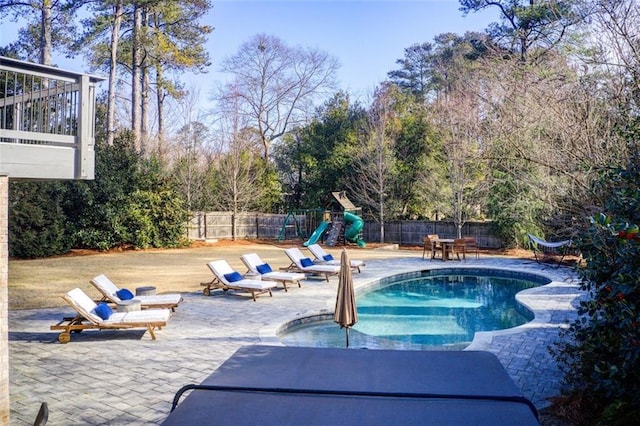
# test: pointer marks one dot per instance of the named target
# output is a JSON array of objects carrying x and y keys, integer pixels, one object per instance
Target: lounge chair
[
  {"x": 541, "y": 248},
  {"x": 257, "y": 266},
  {"x": 111, "y": 293},
  {"x": 324, "y": 258},
  {"x": 225, "y": 278},
  {"x": 88, "y": 318},
  {"x": 299, "y": 262}
]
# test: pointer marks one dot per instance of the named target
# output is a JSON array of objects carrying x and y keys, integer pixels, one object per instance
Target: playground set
[{"x": 338, "y": 222}]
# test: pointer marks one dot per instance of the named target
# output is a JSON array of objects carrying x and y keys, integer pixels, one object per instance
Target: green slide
[
  {"x": 316, "y": 234},
  {"x": 355, "y": 225}
]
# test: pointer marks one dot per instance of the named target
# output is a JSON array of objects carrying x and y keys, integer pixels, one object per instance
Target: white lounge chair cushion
[
  {"x": 296, "y": 255},
  {"x": 354, "y": 263},
  {"x": 85, "y": 306},
  {"x": 105, "y": 285},
  {"x": 283, "y": 276},
  {"x": 144, "y": 316},
  {"x": 159, "y": 299},
  {"x": 319, "y": 253},
  {"x": 252, "y": 261},
  {"x": 221, "y": 267},
  {"x": 322, "y": 268}
]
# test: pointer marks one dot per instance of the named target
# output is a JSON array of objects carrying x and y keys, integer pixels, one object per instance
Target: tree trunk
[
  {"x": 111, "y": 101},
  {"x": 381, "y": 217},
  {"x": 160, "y": 102},
  {"x": 135, "y": 76},
  {"x": 45, "y": 41},
  {"x": 144, "y": 108}
]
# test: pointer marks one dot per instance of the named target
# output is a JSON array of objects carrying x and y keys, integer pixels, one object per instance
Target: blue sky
[{"x": 367, "y": 36}]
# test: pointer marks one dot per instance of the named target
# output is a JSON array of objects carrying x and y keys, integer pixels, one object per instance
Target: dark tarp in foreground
[{"x": 321, "y": 386}]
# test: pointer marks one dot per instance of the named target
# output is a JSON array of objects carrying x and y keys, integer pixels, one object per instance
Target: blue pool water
[{"x": 441, "y": 309}]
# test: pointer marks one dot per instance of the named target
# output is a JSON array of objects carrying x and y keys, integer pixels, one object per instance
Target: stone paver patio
[{"x": 123, "y": 377}]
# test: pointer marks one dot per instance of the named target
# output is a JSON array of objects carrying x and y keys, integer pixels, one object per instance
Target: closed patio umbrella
[{"x": 345, "y": 313}]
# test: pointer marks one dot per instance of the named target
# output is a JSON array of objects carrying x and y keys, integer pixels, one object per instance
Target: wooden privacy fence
[{"x": 266, "y": 226}]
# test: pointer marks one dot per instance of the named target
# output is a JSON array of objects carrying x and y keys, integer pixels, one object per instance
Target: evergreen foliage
[
  {"x": 600, "y": 353},
  {"x": 37, "y": 223},
  {"x": 130, "y": 203}
]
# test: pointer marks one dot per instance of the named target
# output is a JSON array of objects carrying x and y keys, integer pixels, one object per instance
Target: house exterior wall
[{"x": 4, "y": 300}]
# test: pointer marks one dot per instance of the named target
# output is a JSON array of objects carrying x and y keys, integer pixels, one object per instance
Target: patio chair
[
  {"x": 257, "y": 266},
  {"x": 459, "y": 247},
  {"x": 303, "y": 264},
  {"x": 225, "y": 279},
  {"x": 431, "y": 245},
  {"x": 324, "y": 258},
  {"x": 542, "y": 248},
  {"x": 111, "y": 293},
  {"x": 92, "y": 316},
  {"x": 471, "y": 245}
]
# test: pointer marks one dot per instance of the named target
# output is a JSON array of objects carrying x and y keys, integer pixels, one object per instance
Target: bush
[
  {"x": 155, "y": 219},
  {"x": 36, "y": 220},
  {"x": 130, "y": 202},
  {"x": 601, "y": 357}
]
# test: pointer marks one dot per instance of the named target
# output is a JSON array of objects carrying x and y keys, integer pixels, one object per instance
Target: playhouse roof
[{"x": 341, "y": 198}]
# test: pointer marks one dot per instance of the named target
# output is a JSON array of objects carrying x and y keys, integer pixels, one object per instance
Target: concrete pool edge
[{"x": 563, "y": 282}]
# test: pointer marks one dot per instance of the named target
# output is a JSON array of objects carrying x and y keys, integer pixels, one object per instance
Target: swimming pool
[{"x": 437, "y": 309}]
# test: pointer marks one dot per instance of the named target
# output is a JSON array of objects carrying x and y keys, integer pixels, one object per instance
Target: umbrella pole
[{"x": 347, "y": 329}]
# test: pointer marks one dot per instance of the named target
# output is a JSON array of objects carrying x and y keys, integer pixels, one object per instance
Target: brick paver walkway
[{"x": 123, "y": 377}]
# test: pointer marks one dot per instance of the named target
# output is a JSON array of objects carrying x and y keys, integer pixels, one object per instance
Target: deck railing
[{"x": 47, "y": 120}]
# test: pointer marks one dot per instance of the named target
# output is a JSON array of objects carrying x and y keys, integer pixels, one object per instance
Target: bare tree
[
  {"x": 374, "y": 162},
  {"x": 275, "y": 84},
  {"x": 193, "y": 152},
  {"x": 549, "y": 138},
  {"x": 616, "y": 50},
  {"x": 239, "y": 167},
  {"x": 458, "y": 116}
]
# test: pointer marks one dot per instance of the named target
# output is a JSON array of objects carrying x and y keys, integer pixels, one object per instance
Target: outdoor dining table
[{"x": 447, "y": 247}]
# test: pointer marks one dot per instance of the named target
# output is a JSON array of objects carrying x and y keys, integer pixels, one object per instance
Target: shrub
[
  {"x": 36, "y": 220},
  {"x": 601, "y": 357}
]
